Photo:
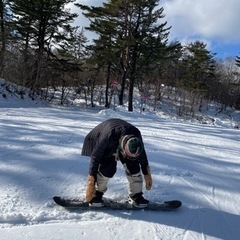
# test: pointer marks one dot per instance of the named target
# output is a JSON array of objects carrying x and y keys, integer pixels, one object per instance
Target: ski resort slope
[{"x": 40, "y": 156}]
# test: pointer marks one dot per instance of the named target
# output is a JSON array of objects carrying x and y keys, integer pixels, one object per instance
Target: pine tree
[
  {"x": 41, "y": 24},
  {"x": 135, "y": 34},
  {"x": 196, "y": 72},
  {"x": 5, "y": 33},
  {"x": 197, "y": 63}
]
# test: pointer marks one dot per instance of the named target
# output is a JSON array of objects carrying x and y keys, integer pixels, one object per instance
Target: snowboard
[{"x": 77, "y": 204}]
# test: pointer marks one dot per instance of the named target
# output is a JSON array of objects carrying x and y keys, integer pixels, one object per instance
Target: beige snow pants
[{"x": 135, "y": 182}]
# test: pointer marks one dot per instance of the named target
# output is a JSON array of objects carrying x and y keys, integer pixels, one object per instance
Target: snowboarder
[{"x": 112, "y": 140}]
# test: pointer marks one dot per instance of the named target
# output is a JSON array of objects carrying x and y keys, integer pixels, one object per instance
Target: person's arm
[{"x": 143, "y": 161}]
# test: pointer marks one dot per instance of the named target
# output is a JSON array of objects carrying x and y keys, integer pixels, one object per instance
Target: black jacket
[{"x": 103, "y": 140}]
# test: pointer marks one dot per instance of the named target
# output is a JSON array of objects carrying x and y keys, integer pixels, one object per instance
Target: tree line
[{"x": 41, "y": 48}]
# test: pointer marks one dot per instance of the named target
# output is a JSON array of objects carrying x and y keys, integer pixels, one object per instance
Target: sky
[{"x": 214, "y": 22}]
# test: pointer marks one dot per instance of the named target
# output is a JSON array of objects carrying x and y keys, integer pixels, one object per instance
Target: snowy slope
[{"x": 40, "y": 157}]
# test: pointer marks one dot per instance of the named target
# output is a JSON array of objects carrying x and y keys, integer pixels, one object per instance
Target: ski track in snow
[{"x": 40, "y": 156}]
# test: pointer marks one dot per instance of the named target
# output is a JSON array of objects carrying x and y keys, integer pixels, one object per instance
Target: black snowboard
[{"x": 113, "y": 205}]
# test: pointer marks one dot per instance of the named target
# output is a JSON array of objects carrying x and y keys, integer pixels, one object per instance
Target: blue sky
[{"x": 214, "y": 22}]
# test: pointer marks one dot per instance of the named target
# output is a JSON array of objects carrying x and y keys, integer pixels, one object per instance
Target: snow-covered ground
[{"x": 40, "y": 156}]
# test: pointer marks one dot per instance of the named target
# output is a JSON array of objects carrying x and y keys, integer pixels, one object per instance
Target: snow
[{"x": 40, "y": 156}]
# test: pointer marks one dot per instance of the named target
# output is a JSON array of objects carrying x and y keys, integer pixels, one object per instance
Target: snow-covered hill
[
  {"x": 12, "y": 95},
  {"x": 40, "y": 156}
]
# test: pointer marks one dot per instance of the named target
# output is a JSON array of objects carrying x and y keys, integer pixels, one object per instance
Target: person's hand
[
  {"x": 148, "y": 179},
  {"x": 91, "y": 189}
]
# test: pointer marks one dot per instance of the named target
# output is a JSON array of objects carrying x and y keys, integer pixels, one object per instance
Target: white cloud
[
  {"x": 210, "y": 19},
  {"x": 90, "y": 2},
  {"x": 81, "y": 20},
  {"x": 214, "y": 22},
  {"x": 206, "y": 19}
]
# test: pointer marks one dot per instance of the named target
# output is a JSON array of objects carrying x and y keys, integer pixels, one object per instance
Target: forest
[{"x": 43, "y": 50}]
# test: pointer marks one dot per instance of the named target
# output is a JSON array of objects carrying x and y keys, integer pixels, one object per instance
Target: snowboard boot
[
  {"x": 97, "y": 200},
  {"x": 137, "y": 200}
]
